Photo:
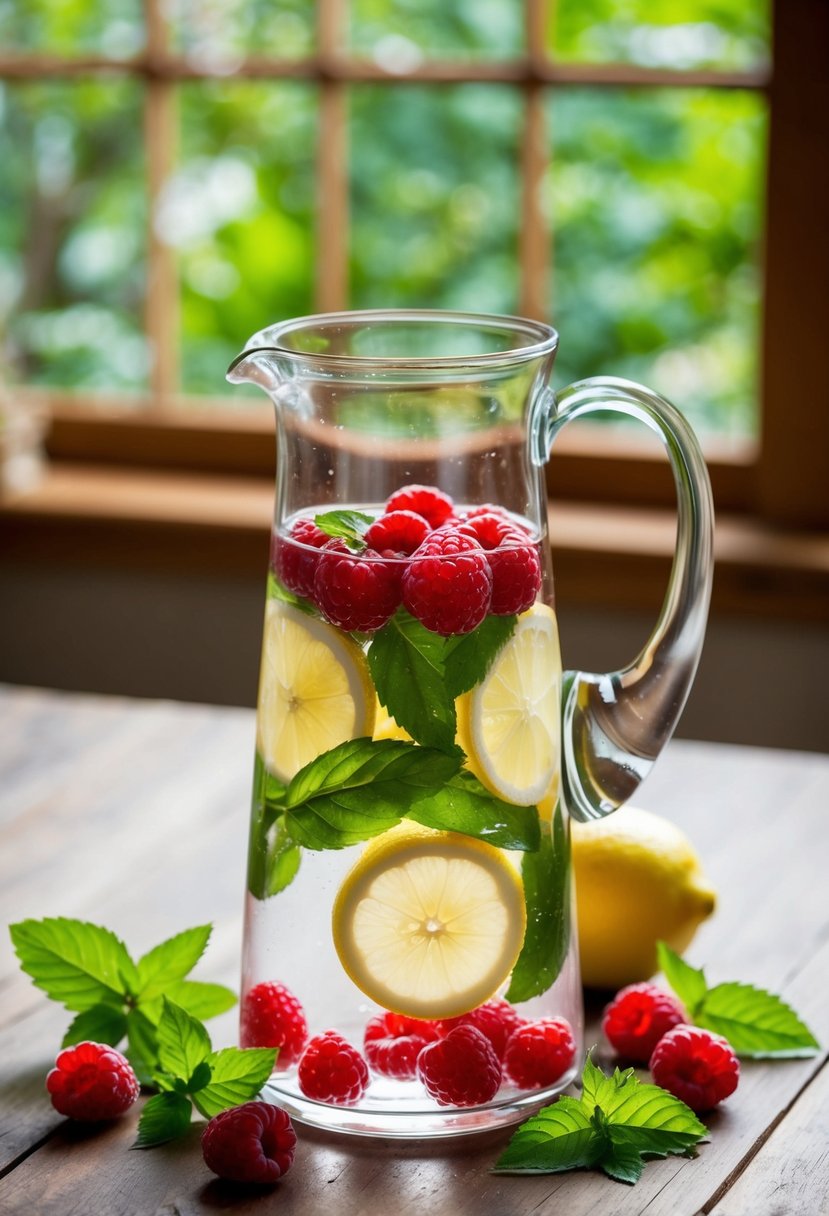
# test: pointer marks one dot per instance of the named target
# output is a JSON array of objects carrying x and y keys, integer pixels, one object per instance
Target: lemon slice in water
[
  {"x": 509, "y": 724},
  {"x": 315, "y": 690},
  {"x": 429, "y": 924}
]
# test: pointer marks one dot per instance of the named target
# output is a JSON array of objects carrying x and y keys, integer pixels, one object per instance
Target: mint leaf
[
  {"x": 350, "y": 526},
  {"x": 467, "y": 659},
  {"x": 687, "y": 982},
  {"x": 546, "y": 874},
  {"x": 560, "y": 1137},
  {"x": 756, "y": 1023},
  {"x": 622, "y": 1162},
  {"x": 183, "y": 1043},
  {"x": 201, "y": 1077},
  {"x": 164, "y": 1117},
  {"x": 237, "y": 1075},
  {"x": 172, "y": 960},
  {"x": 100, "y": 1024},
  {"x": 406, "y": 663},
  {"x": 464, "y": 805},
  {"x": 142, "y": 1045},
  {"x": 73, "y": 961},
  {"x": 278, "y": 591},
  {"x": 201, "y": 1000}
]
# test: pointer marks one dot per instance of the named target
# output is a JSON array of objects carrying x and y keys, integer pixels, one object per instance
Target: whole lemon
[{"x": 638, "y": 880}]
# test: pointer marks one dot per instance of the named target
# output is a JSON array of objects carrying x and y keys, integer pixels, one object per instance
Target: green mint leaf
[
  {"x": 183, "y": 1043},
  {"x": 756, "y": 1023},
  {"x": 172, "y": 960},
  {"x": 546, "y": 874},
  {"x": 560, "y": 1137},
  {"x": 237, "y": 1075},
  {"x": 278, "y": 591},
  {"x": 622, "y": 1162},
  {"x": 164, "y": 1117},
  {"x": 406, "y": 663},
  {"x": 73, "y": 961},
  {"x": 467, "y": 659},
  {"x": 202, "y": 1075},
  {"x": 142, "y": 1045},
  {"x": 601, "y": 1090},
  {"x": 282, "y": 866},
  {"x": 100, "y": 1024},
  {"x": 644, "y": 1116},
  {"x": 361, "y": 788},
  {"x": 464, "y": 805},
  {"x": 688, "y": 982},
  {"x": 201, "y": 1000},
  {"x": 350, "y": 526}
]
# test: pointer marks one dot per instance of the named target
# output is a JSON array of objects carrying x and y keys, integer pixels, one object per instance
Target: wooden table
[{"x": 134, "y": 815}]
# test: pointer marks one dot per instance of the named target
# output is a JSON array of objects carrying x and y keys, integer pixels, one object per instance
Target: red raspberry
[
  {"x": 539, "y": 1053},
  {"x": 92, "y": 1081},
  {"x": 696, "y": 1066},
  {"x": 393, "y": 1043},
  {"x": 273, "y": 1017},
  {"x": 513, "y": 560},
  {"x": 250, "y": 1143},
  {"x": 435, "y": 506},
  {"x": 448, "y": 584},
  {"x": 399, "y": 532},
  {"x": 636, "y": 1019},
  {"x": 460, "y": 1070},
  {"x": 354, "y": 590},
  {"x": 496, "y": 1020},
  {"x": 294, "y": 557},
  {"x": 331, "y": 1070}
]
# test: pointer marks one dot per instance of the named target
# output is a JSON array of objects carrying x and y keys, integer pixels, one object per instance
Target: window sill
[{"x": 132, "y": 518}]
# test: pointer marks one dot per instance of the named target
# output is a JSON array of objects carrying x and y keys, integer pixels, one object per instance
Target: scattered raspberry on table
[
  {"x": 92, "y": 1082},
  {"x": 273, "y": 1017},
  {"x": 638, "y": 1017},
  {"x": 254, "y": 1142},
  {"x": 696, "y": 1066}
]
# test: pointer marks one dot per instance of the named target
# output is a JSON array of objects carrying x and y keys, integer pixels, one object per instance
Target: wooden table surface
[{"x": 134, "y": 815}]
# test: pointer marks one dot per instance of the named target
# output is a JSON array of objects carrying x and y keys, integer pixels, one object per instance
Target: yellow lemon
[
  {"x": 509, "y": 724},
  {"x": 638, "y": 880},
  {"x": 429, "y": 924},
  {"x": 315, "y": 690}
]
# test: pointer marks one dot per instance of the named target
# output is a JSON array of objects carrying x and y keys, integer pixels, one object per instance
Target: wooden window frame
[{"x": 779, "y": 478}]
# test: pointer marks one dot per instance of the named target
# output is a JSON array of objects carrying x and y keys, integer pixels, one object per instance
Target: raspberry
[
  {"x": 460, "y": 1070},
  {"x": 250, "y": 1143},
  {"x": 92, "y": 1081},
  {"x": 331, "y": 1070},
  {"x": 513, "y": 560},
  {"x": 496, "y": 1020},
  {"x": 435, "y": 506},
  {"x": 539, "y": 1053},
  {"x": 398, "y": 532},
  {"x": 294, "y": 557},
  {"x": 356, "y": 591},
  {"x": 273, "y": 1017},
  {"x": 393, "y": 1043},
  {"x": 636, "y": 1019},
  {"x": 448, "y": 583},
  {"x": 696, "y": 1066}
]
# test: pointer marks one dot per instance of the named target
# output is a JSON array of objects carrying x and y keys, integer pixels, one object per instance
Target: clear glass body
[{"x": 418, "y": 750}]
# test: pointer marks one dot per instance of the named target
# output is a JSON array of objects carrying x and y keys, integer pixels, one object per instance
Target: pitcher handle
[{"x": 615, "y": 725}]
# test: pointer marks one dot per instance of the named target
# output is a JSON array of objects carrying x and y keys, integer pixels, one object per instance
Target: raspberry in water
[
  {"x": 272, "y": 1016},
  {"x": 461, "y": 1069},
  {"x": 398, "y": 532},
  {"x": 393, "y": 1042},
  {"x": 496, "y": 1019},
  {"x": 539, "y": 1053},
  {"x": 435, "y": 506},
  {"x": 295, "y": 557},
  {"x": 448, "y": 584},
  {"x": 513, "y": 560},
  {"x": 331, "y": 1070}
]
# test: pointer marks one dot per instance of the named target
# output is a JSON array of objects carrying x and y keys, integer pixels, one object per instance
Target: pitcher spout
[{"x": 256, "y": 365}]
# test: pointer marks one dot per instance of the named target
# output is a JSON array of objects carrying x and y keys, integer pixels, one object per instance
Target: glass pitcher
[{"x": 409, "y": 940}]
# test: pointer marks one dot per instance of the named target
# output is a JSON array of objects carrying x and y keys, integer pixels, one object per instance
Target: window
[{"x": 180, "y": 175}]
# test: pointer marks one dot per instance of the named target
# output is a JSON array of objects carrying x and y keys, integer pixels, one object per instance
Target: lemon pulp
[
  {"x": 429, "y": 924},
  {"x": 509, "y": 723},
  {"x": 315, "y": 690}
]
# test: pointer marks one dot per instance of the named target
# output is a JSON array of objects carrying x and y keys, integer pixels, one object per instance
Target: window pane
[
  {"x": 72, "y": 227},
  {"x": 656, "y": 204},
  {"x": 215, "y": 32},
  {"x": 435, "y": 196},
  {"x": 398, "y": 33},
  {"x": 239, "y": 210},
  {"x": 677, "y": 34},
  {"x": 72, "y": 27}
]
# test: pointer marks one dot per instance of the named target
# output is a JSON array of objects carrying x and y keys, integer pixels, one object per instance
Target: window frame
[{"x": 779, "y": 478}]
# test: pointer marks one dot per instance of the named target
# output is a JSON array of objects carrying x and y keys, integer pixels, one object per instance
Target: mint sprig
[
  {"x": 546, "y": 875},
  {"x": 190, "y": 1073},
  {"x": 757, "y": 1024},
  {"x": 89, "y": 970},
  {"x": 617, "y": 1125},
  {"x": 349, "y": 526}
]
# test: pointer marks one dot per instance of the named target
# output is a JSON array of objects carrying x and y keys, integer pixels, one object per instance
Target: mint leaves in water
[
  {"x": 348, "y": 526},
  {"x": 757, "y": 1024},
  {"x": 617, "y": 1125}
]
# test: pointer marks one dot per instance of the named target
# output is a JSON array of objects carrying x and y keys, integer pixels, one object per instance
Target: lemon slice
[
  {"x": 315, "y": 690},
  {"x": 429, "y": 924},
  {"x": 509, "y": 723}
]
